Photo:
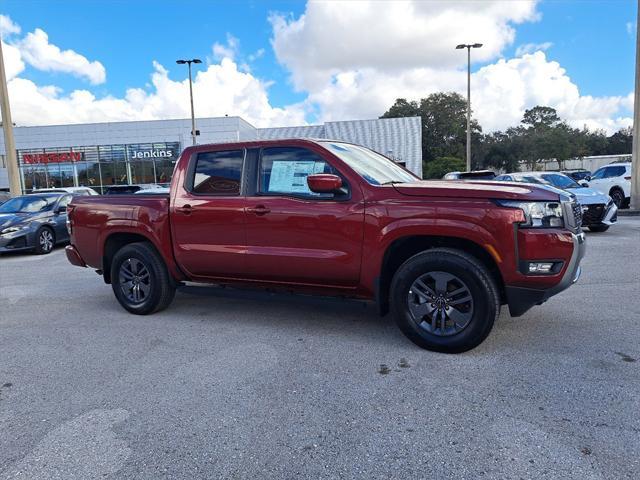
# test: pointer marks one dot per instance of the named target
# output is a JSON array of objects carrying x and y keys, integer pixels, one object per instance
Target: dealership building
[{"x": 99, "y": 155}]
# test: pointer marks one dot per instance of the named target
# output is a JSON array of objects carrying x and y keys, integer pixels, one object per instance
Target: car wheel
[
  {"x": 444, "y": 300},
  {"x": 140, "y": 279},
  {"x": 45, "y": 241},
  {"x": 598, "y": 228},
  {"x": 617, "y": 196}
]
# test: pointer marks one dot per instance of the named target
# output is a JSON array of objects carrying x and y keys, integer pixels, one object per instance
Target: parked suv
[
  {"x": 614, "y": 180},
  {"x": 334, "y": 218},
  {"x": 598, "y": 210}
]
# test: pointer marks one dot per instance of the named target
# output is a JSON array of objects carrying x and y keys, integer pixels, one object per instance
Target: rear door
[
  {"x": 208, "y": 217},
  {"x": 295, "y": 235}
]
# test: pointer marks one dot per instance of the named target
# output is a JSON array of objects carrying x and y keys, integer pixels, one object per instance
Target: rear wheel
[
  {"x": 140, "y": 279},
  {"x": 598, "y": 228},
  {"x": 444, "y": 300},
  {"x": 617, "y": 196},
  {"x": 45, "y": 241}
]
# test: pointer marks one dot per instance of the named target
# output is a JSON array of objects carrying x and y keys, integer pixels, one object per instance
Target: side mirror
[
  {"x": 583, "y": 183},
  {"x": 324, "y": 183},
  {"x": 60, "y": 210},
  {"x": 588, "y": 178}
]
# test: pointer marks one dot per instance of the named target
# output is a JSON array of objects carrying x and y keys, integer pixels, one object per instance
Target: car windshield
[
  {"x": 373, "y": 167},
  {"x": 560, "y": 181},
  {"x": 28, "y": 204}
]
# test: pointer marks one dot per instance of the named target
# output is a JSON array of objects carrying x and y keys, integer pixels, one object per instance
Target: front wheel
[
  {"x": 140, "y": 279},
  {"x": 45, "y": 241},
  {"x": 444, "y": 300},
  {"x": 598, "y": 228},
  {"x": 617, "y": 196}
]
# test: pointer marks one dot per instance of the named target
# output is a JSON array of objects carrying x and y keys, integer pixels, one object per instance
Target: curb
[{"x": 629, "y": 212}]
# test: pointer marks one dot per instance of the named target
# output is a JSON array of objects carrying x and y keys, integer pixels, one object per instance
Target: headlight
[
  {"x": 10, "y": 230},
  {"x": 538, "y": 214}
]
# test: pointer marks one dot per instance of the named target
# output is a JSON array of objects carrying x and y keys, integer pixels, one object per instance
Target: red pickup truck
[{"x": 334, "y": 218}]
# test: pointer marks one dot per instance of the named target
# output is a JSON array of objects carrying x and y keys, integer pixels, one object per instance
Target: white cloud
[
  {"x": 38, "y": 52},
  {"x": 391, "y": 36},
  {"x": 631, "y": 27},
  {"x": 220, "y": 89},
  {"x": 532, "y": 47},
  {"x": 7, "y": 26},
  {"x": 230, "y": 50},
  {"x": 12, "y": 60},
  {"x": 355, "y": 58}
]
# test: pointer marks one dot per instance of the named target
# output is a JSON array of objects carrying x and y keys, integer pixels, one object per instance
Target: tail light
[{"x": 70, "y": 209}]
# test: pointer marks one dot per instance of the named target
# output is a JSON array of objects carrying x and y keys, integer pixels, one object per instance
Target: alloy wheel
[
  {"x": 46, "y": 240},
  {"x": 440, "y": 303},
  {"x": 134, "y": 280}
]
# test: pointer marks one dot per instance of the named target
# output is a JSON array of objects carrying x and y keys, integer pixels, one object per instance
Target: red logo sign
[{"x": 62, "y": 157}]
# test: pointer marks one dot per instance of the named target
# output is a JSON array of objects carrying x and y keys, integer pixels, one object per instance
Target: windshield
[
  {"x": 28, "y": 204},
  {"x": 560, "y": 181},
  {"x": 373, "y": 167}
]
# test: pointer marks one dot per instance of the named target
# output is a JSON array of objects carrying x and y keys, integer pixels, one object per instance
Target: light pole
[
  {"x": 193, "y": 118},
  {"x": 7, "y": 126},
  {"x": 468, "y": 47},
  {"x": 635, "y": 165}
]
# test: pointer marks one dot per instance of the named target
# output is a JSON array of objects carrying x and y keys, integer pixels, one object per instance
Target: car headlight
[
  {"x": 538, "y": 214},
  {"x": 10, "y": 230}
]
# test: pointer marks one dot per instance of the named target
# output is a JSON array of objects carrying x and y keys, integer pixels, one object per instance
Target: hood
[
  {"x": 588, "y": 196},
  {"x": 478, "y": 189},
  {"x": 12, "y": 219}
]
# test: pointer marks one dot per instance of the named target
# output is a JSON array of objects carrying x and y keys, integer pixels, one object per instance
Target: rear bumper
[
  {"x": 521, "y": 299},
  {"x": 73, "y": 256}
]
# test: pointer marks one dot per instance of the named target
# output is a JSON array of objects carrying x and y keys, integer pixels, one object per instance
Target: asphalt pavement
[{"x": 241, "y": 384}]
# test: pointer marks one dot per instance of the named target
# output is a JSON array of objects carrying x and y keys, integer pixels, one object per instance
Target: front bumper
[
  {"x": 16, "y": 242},
  {"x": 599, "y": 214},
  {"x": 521, "y": 299}
]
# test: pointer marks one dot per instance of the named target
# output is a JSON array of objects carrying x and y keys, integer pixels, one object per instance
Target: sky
[{"x": 280, "y": 63}]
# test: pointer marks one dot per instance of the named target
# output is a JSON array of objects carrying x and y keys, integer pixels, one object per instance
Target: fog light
[{"x": 540, "y": 267}]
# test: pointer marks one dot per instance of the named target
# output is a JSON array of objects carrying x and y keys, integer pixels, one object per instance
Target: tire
[
  {"x": 598, "y": 228},
  {"x": 140, "y": 279},
  {"x": 617, "y": 196},
  {"x": 457, "y": 270},
  {"x": 45, "y": 241}
]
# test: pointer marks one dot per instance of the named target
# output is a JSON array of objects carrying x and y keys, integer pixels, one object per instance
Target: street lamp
[
  {"x": 468, "y": 47},
  {"x": 193, "y": 118}
]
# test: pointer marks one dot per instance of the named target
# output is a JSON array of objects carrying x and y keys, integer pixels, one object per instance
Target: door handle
[
  {"x": 258, "y": 210},
  {"x": 185, "y": 209}
]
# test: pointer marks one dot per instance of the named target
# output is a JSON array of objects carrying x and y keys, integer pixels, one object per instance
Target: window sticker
[{"x": 291, "y": 177}]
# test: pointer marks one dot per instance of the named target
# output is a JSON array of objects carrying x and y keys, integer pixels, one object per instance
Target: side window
[
  {"x": 64, "y": 201},
  {"x": 218, "y": 173},
  {"x": 598, "y": 174},
  {"x": 615, "y": 171},
  {"x": 284, "y": 170}
]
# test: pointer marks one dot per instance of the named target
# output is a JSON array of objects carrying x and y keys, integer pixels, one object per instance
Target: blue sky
[{"x": 591, "y": 41}]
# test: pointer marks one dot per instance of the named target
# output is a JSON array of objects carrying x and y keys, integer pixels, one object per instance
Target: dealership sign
[
  {"x": 158, "y": 153},
  {"x": 59, "y": 157}
]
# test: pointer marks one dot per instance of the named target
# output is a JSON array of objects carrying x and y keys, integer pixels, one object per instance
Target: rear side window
[
  {"x": 218, "y": 173},
  {"x": 614, "y": 172}
]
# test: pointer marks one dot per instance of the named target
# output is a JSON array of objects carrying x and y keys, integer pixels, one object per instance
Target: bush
[{"x": 440, "y": 166}]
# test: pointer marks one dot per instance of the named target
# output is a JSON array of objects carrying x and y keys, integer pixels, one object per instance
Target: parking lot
[{"x": 239, "y": 384}]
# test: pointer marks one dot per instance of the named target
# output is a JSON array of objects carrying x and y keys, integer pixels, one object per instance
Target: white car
[
  {"x": 614, "y": 180},
  {"x": 71, "y": 190},
  {"x": 598, "y": 210}
]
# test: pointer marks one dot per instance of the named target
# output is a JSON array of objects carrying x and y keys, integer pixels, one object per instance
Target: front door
[
  {"x": 208, "y": 217},
  {"x": 295, "y": 235}
]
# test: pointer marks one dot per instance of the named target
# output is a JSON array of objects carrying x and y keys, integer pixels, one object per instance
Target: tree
[
  {"x": 443, "y": 124},
  {"x": 540, "y": 117},
  {"x": 440, "y": 166},
  {"x": 620, "y": 142}
]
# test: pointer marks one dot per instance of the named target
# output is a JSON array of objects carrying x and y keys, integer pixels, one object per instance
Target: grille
[
  {"x": 592, "y": 214},
  {"x": 576, "y": 209}
]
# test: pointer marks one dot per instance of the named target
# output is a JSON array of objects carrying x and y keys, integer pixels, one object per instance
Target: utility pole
[
  {"x": 635, "y": 165},
  {"x": 469, "y": 47},
  {"x": 7, "y": 126},
  {"x": 193, "y": 118}
]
